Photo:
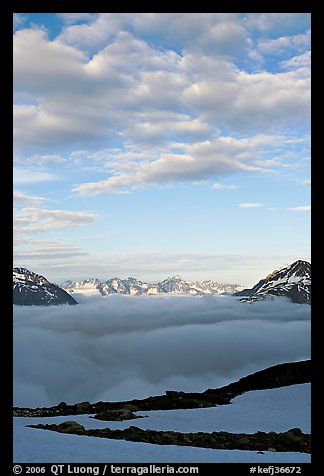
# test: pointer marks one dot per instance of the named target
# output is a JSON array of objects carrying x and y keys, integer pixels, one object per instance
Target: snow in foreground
[{"x": 262, "y": 410}]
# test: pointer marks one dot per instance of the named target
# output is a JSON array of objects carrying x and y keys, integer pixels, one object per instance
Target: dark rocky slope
[
  {"x": 30, "y": 289},
  {"x": 292, "y": 281}
]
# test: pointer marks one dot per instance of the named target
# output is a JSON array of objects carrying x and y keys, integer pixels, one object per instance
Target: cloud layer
[
  {"x": 103, "y": 82},
  {"x": 121, "y": 348}
]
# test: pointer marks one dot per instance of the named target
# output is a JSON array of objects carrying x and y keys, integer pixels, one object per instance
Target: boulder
[
  {"x": 292, "y": 436},
  {"x": 70, "y": 427},
  {"x": 83, "y": 407},
  {"x": 62, "y": 405}
]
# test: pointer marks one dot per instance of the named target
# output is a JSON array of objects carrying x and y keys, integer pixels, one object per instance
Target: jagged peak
[
  {"x": 22, "y": 270},
  {"x": 30, "y": 288},
  {"x": 292, "y": 280}
]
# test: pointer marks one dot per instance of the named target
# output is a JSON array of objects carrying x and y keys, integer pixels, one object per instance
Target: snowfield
[{"x": 262, "y": 410}]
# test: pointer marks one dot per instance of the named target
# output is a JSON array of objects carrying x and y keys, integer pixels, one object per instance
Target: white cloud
[
  {"x": 303, "y": 208},
  {"x": 121, "y": 348},
  {"x": 300, "y": 62},
  {"x": 250, "y": 205},
  {"x": 122, "y": 90},
  {"x": 92, "y": 35},
  {"x": 156, "y": 126},
  {"x": 41, "y": 65},
  {"x": 280, "y": 45},
  {"x": 220, "y": 186},
  {"x": 32, "y": 253},
  {"x": 307, "y": 182},
  {"x": 20, "y": 198},
  {"x": 241, "y": 100},
  {"x": 36, "y": 220},
  {"x": 47, "y": 158},
  {"x": 22, "y": 175},
  {"x": 197, "y": 161},
  {"x": 277, "y": 24},
  {"x": 226, "y": 38}
]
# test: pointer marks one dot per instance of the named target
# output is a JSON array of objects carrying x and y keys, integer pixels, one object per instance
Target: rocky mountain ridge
[
  {"x": 292, "y": 281},
  {"x": 136, "y": 287},
  {"x": 30, "y": 288}
]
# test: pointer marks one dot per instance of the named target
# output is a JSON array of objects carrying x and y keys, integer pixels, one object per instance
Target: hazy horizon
[{"x": 154, "y": 281}]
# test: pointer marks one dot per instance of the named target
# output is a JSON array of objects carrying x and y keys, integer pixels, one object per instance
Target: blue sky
[{"x": 152, "y": 144}]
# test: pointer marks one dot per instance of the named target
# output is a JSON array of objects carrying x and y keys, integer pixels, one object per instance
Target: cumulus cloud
[
  {"x": 119, "y": 348},
  {"x": 300, "y": 62},
  {"x": 277, "y": 24},
  {"x": 242, "y": 100},
  {"x": 94, "y": 31},
  {"x": 279, "y": 45},
  {"x": 74, "y": 98}
]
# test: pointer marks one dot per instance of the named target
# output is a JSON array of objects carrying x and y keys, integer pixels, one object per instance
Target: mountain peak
[
  {"x": 30, "y": 288},
  {"x": 292, "y": 281},
  {"x": 23, "y": 271},
  {"x": 135, "y": 287}
]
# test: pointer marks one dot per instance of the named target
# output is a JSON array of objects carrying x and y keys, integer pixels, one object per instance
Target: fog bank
[{"x": 122, "y": 347}]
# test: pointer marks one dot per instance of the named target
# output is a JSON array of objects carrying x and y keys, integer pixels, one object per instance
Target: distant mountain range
[
  {"x": 135, "y": 287},
  {"x": 33, "y": 289},
  {"x": 292, "y": 281}
]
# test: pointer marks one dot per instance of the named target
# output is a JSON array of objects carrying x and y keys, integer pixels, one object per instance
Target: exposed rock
[
  {"x": 116, "y": 415},
  {"x": 292, "y": 440},
  {"x": 175, "y": 394},
  {"x": 291, "y": 373},
  {"x": 292, "y": 281},
  {"x": 70, "y": 427},
  {"x": 83, "y": 407},
  {"x": 62, "y": 405},
  {"x": 32, "y": 289},
  {"x": 290, "y": 437}
]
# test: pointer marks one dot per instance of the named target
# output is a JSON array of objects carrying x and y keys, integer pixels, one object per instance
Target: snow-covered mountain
[
  {"x": 135, "y": 287},
  {"x": 30, "y": 288},
  {"x": 292, "y": 281}
]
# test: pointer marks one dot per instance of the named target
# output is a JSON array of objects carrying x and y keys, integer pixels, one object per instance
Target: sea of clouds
[{"x": 122, "y": 347}]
